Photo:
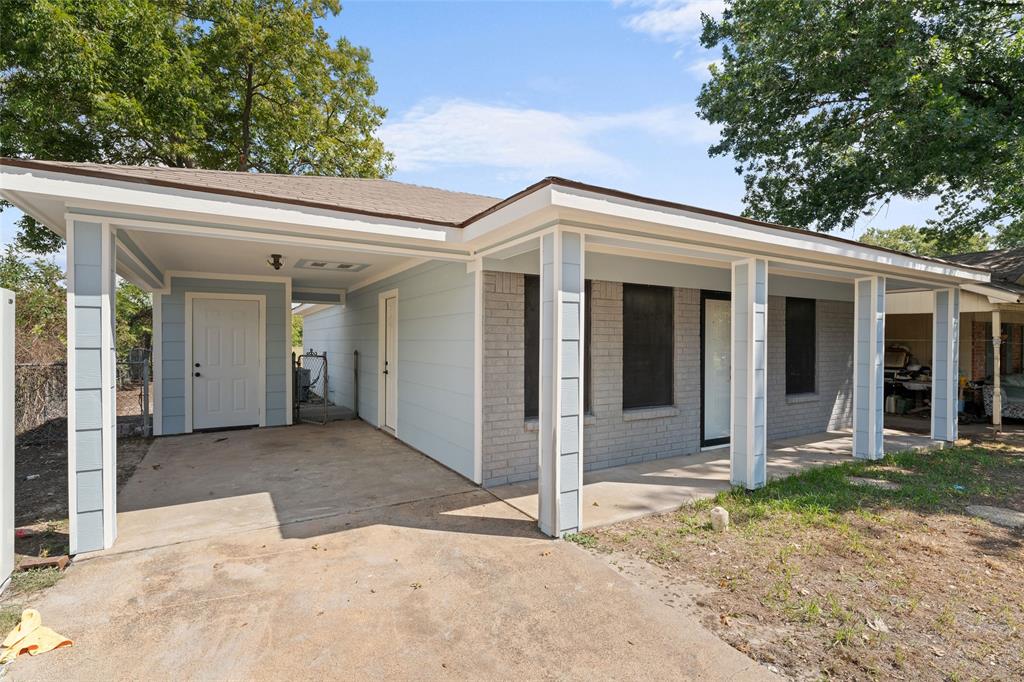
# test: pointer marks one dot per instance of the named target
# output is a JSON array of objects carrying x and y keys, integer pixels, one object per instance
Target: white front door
[
  {"x": 390, "y": 367},
  {"x": 225, "y": 363},
  {"x": 717, "y": 364}
]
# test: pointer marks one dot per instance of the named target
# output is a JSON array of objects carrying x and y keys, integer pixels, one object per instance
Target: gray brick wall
[
  {"x": 510, "y": 448},
  {"x": 613, "y": 437},
  {"x": 830, "y": 407}
]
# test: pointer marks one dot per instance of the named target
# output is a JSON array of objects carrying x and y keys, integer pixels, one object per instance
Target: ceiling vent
[{"x": 334, "y": 266}]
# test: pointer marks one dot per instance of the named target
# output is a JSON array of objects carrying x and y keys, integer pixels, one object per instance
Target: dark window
[
  {"x": 801, "y": 345},
  {"x": 1011, "y": 350},
  {"x": 647, "y": 331},
  {"x": 531, "y": 366}
]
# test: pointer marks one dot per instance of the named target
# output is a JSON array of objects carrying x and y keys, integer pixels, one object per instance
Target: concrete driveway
[{"x": 452, "y": 584}]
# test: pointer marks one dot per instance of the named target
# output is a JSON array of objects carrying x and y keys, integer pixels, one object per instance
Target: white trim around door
[
  {"x": 190, "y": 296},
  {"x": 387, "y": 364}
]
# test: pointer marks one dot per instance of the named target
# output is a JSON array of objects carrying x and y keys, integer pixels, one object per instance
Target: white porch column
[
  {"x": 868, "y": 366},
  {"x": 92, "y": 426},
  {"x": 997, "y": 370},
  {"x": 560, "y": 471},
  {"x": 945, "y": 364},
  {"x": 748, "y": 459}
]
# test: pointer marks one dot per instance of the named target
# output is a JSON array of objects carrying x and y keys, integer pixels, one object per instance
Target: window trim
[
  {"x": 793, "y": 392},
  {"x": 671, "y": 345},
  {"x": 706, "y": 294}
]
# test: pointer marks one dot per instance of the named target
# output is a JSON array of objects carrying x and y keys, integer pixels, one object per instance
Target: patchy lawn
[
  {"x": 820, "y": 577},
  {"x": 41, "y": 515}
]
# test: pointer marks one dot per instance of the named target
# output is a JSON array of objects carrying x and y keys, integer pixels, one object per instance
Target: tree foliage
[
  {"x": 40, "y": 308},
  {"x": 224, "y": 84},
  {"x": 297, "y": 321},
  {"x": 832, "y": 108},
  {"x": 910, "y": 239},
  {"x": 134, "y": 313}
]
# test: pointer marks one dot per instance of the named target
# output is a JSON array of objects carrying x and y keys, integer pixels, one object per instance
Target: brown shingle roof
[
  {"x": 1006, "y": 265},
  {"x": 385, "y": 198}
]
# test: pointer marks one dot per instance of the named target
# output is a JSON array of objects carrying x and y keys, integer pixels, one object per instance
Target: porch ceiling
[{"x": 174, "y": 252}]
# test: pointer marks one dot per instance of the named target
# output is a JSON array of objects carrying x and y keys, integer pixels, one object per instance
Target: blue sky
[{"x": 489, "y": 97}]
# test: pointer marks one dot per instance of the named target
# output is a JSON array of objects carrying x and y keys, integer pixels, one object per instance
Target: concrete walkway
[
  {"x": 450, "y": 584},
  {"x": 627, "y": 492}
]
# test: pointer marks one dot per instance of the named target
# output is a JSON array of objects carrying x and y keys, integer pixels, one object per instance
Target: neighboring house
[
  {"x": 567, "y": 327},
  {"x": 996, "y": 305}
]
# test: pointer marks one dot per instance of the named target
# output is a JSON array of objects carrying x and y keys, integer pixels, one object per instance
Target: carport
[{"x": 302, "y": 480}]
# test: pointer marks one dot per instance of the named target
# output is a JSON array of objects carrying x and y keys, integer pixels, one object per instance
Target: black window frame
[
  {"x": 648, "y": 362},
  {"x": 801, "y": 319},
  {"x": 531, "y": 341}
]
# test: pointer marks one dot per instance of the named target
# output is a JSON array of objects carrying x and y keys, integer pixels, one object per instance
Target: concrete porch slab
[
  {"x": 628, "y": 492},
  {"x": 210, "y": 484}
]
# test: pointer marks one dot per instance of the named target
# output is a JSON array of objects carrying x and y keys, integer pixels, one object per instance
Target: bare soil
[
  {"x": 41, "y": 502},
  {"x": 822, "y": 579}
]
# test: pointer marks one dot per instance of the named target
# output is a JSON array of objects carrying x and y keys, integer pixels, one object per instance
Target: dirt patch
[
  {"x": 41, "y": 494},
  {"x": 821, "y": 578}
]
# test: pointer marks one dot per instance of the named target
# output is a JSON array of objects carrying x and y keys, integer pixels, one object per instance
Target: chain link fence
[
  {"x": 310, "y": 390},
  {"x": 41, "y": 399}
]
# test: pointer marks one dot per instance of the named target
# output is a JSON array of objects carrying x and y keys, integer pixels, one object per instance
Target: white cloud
[
  {"x": 701, "y": 67},
  {"x": 671, "y": 19},
  {"x": 459, "y": 132}
]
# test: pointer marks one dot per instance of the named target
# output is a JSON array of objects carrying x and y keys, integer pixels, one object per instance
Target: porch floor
[
  {"x": 206, "y": 485},
  {"x": 627, "y": 492}
]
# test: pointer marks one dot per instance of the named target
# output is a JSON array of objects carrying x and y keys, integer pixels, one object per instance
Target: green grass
[
  {"x": 582, "y": 539},
  {"x": 26, "y": 582},
  {"x": 10, "y": 616},
  {"x": 929, "y": 481}
]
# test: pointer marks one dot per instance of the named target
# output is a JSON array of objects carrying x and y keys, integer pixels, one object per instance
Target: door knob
[
  {"x": 197, "y": 374},
  {"x": 197, "y": 364}
]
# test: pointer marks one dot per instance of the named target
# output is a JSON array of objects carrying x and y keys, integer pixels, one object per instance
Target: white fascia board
[
  {"x": 993, "y": 294},
  {"x": 105, "y": 194},
  {"x": 721, "y": 229},
  {"x": 511, "y": 220}
]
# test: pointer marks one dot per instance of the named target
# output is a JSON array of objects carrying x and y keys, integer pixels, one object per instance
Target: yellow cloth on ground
[{"x": 29, "y": 636}]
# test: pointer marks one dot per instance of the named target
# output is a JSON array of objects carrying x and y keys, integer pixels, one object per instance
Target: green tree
[
  {"x": 224, "y": 84},
  {"x": 832, "y": 108},
  {"x": 910, "y": 239},
  {"x": 297, "y": 332},
  {"x": 40, "y": 307},
  {"x": 134, "y": 313}
]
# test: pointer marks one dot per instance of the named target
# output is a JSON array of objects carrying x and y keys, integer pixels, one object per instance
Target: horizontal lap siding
[
  {"x": 435, "y": 357},
  {"x": 174, "y": 372}
]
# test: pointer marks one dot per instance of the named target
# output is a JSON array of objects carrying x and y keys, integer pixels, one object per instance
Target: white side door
[
  {"x": 717, "y": 365},
  {"x": 390, "y": 368},
  {"x": 226, "y": 363}
]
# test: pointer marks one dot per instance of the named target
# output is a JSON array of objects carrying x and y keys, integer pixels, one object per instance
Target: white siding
[{"x": 435, "y": 357}]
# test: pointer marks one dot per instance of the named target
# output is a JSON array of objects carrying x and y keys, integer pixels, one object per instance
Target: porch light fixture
[{"x": 275, "y": 261}]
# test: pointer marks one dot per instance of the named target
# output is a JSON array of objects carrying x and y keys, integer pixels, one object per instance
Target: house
[
  {"x": 995, "y": 305},
  {"x": 567, "y": 327}
]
